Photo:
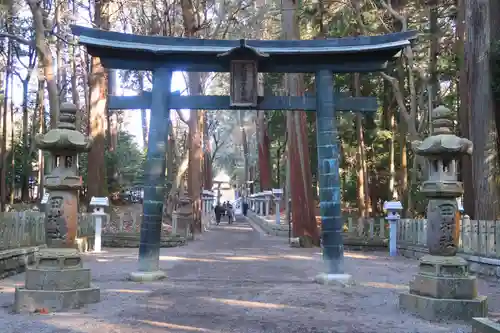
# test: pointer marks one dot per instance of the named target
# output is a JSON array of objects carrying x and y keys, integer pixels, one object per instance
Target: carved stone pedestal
[
  {"x": 56, "y": 282},
  {"x": 443, "y": 289}
]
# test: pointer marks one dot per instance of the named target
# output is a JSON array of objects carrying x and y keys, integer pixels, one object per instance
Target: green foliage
[
  {"x": 15, "y": 170},
  {"x": 127, "y": 160}
]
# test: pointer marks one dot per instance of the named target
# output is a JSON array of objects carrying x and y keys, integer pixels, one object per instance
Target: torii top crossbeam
[{"x": 349, "y": 54}]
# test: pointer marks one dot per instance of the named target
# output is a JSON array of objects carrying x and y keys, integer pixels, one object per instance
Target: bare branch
[
  {"x": 18, "y": 39},
  {"x": 398, "y": 94},
  {"x": 396, "y": 15},
  {"x": 62, "y": 39}
]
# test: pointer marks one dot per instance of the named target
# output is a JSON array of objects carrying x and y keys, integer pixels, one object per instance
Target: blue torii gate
[{"x": 163, "y": 55}]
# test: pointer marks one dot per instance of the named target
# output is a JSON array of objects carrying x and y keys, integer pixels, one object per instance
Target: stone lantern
[
  {"x": 58, "y": 281},
  {"x": 443, "y": 287},
  {"x": 64, "y": 143}
]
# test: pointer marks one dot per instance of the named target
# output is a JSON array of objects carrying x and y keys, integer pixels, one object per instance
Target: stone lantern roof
[
  {"x": 443, "y": 143},
  {"x": 65, "y": 138},
  {"x": 442, "y": 149}
]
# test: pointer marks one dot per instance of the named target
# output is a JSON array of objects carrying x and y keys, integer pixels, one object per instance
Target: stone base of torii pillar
[
  {"x": 147, "y": 276},
  {"x": 343, "y": 280}
]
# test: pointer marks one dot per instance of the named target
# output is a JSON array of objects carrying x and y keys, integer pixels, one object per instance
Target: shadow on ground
[{"x": 238, "y": 280}]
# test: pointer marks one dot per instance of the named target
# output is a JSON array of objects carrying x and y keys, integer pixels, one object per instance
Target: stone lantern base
[
  {"x": 56, "y": 282},
  {"x": 443, "y": 289}
]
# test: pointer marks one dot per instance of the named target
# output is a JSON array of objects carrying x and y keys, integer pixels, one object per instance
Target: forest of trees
[{"x": 453, "y": 62}]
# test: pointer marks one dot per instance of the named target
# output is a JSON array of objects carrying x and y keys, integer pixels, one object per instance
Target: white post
[
  {"x": 99, "y": 203},
  {"x": 278, "y": 216},
  {"x": 98, "y": 215},
  {"x": 277, "y": 195},
  {"x": 392, "y": 208},
  {"x": 393, "y": 225}
]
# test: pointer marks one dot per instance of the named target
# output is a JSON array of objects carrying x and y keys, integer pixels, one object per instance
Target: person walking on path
[
  {"x": 245, "y": 207},
  {"x": 230, "y": 213},
  {"x": 219, "y": 211}
]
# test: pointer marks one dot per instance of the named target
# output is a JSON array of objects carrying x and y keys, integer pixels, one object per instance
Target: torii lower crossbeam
[{"x": 305, "y": 103}]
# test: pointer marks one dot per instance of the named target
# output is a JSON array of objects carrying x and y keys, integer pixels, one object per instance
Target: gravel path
[{"x": 236, "y": 279}]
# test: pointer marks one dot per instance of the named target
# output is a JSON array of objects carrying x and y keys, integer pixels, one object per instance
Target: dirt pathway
[{"x": 236, "y": 279}]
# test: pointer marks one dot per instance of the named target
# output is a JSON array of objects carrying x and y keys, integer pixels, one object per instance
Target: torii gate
[{"x": 243, "y": 59}]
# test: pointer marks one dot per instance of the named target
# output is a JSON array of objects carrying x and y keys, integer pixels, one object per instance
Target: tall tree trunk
[
  {"x": 47, "y": 62},
  {"x": 463, "y": 111},
  {"x": 26, "y": 158},
  {"x": 404, "y": 188},
  {"x": 195, "y": 153},
  {"x": 191, "y": 28},
  {"x": 60, "y": 9},
  {"x": 96, "y": 169},
  {"x": 207, "y": 155},
  {"x": 112, "y": 117},
  {"x": 12, "y": 144},
  {"x": 45, "y": 57},
  {"x": 495, "y": 40},
  {"x": 480, "y": 104},
  {"x": 75, "y": 96},
  {"x": 244, "y": 144},
  {"x": 112, "y": 133},
  {"x": 303, "y": 210},
  {"x": 262, "y": 132},
  {"x": 264, "y": 152},
  {"x": 433, "y": 51},
  {"x": 84, "y": 68},
  {"x": 40, "y": 110},
  {"x": 390, "y": 125},
  {"x": 287, "y": 192},
  {"x": 362, "y": 169},
  {"x": 3, "y": 137},
  {"x": 5, "y": 107}
]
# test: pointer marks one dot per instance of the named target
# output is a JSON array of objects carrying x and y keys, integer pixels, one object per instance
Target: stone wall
[
  {"x": 281, "y": 230},
  {"x": 352, "y": 240},
  {"x": 479, "y": 265},
  {"x": 14, "y": 261},
  {"x": 485, "y": 325},
  {"x": 124, "y": 239},
  {"x": 22, "y": 234}
]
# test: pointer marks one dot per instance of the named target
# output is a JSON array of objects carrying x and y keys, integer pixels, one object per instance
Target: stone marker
[
  {"x": 443, "y": 287},
  {"x": 57, "y": 281}
]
